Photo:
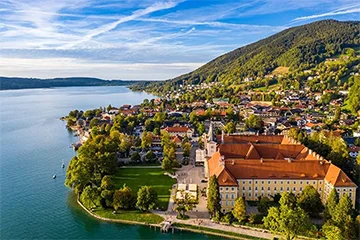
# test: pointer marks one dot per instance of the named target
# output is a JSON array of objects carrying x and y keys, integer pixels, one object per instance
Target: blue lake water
[{"x": 33, "y": 145}]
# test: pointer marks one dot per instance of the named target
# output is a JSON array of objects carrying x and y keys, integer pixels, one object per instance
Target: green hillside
[{"x": 297, "y": 48}]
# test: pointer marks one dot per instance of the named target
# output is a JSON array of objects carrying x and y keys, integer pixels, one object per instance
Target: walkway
[{"x": 205, "y": 222}]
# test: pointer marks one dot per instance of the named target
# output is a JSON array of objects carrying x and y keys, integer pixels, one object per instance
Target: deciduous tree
[
  {"x": 146, "y": 198},
  {"x": 239, "y": 210}
]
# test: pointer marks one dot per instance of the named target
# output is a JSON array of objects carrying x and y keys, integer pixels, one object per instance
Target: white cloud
[
  {"x": 67, "y": 67},
  {"x": 342, "y": 11}
]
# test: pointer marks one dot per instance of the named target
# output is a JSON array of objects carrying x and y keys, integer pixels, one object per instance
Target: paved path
[
  {"x": 205, "y": 222},
  {"x": 141, "y": 166}
]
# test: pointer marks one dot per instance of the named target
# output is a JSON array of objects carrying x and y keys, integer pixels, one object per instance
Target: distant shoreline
[{"x": 15, "y": 83}]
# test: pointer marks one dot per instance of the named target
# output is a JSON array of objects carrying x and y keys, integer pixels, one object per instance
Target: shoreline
[{"x": 189, "y": 229}]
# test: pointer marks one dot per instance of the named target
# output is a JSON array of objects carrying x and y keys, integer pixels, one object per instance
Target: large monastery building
[{"x": 257, "y": 166}]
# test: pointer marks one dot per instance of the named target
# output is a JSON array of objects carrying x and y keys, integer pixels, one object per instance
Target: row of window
[
  {"x": 281, "y": 182},
  {"x": 281, "y": 188}
]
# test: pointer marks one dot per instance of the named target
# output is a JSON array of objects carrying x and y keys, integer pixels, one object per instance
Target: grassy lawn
[
  {"x": 133, "y": 215},
  {"x": 154, "y": 177}
]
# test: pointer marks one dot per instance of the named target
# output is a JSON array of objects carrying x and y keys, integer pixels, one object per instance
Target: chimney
[
  {"x": 310, "y": 151},
  {"x": 222, "y": 136},
  {"x": 233, "y": 162},
  {"x": 321, "y": 162},
  {"x": 261, "y": 160},
  {"x": 289, "y": 160}
]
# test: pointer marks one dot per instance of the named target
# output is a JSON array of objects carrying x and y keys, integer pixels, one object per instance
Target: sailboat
[
  {"x": 63, "y": 164},
  {"x": 54, "y": 176}
]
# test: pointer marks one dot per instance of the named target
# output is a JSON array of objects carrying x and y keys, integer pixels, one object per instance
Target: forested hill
[
  {"x": 20, "y": 83},
  {"x": 298, "y": 48}
]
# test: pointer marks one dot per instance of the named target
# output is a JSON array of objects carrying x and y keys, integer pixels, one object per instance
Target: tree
[
  {"x": 289, "y": 220},
  {"x": 107, "y": 198},
  {"x": 310, "y": 201},
  {"x": 332, "y": 232},
  {"x": 288, "y": 199},
  {"x": 150, "y": 156},
  {"x": 331, "y": 203},
  {"x": 124, "y": 198},
  {"x": 254, "y": 121},
  {"x": 184, "y": 204},
  {"x": 186, "y": 146},
  {"x": 146, "y": 140},
  {"x": 90, "y": 197},
  {"x": 342, "y": 210},
  {"x": 201, "y": 143},
  {"x": 230, "y": 127},
  {"x": 146, "y": 198},
  {"x": 135, "y": 157},
  {"x": 239, "y": 210},
  {"x": 264, "y": 205},
  {"x": 213, "y": 201},
  {"x": 166, "y": 164},
  {"x": 350, "y": 228},
  {"x": 94, "y": 122},
  {"x": 107, "y": 183}
]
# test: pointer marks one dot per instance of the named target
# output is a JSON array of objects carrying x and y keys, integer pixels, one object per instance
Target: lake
[{"x": 34, "y": 143}]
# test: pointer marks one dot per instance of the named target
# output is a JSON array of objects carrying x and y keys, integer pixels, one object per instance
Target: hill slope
[
  {"x": 297, "y": 48},
  {"x": 20, "y": 83}
]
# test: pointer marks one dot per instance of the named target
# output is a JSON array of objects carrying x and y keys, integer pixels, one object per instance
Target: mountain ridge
[{"x": 299, "y": 47}]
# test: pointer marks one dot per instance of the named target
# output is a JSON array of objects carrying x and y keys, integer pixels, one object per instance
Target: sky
[{"x": 142, "y": 39}]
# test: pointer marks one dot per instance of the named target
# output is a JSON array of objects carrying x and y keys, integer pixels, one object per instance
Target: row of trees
[{"x": 124, "y": 198}]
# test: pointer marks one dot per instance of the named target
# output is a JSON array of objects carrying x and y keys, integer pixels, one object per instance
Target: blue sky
[{"x": 142, "y": 39}]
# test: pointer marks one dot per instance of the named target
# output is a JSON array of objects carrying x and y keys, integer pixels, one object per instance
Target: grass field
[
  {"x": 154, "y": 177},
  {"x": 281, "y": 70},
  {"x": 134, "y": 215}
]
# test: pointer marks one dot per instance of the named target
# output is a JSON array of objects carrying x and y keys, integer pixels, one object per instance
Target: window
[
  {"x": 221, "y": 188},
  {"x": 268, "y": 188},
  {"x": 255, "y": 182},
  {"x": 249, "y": 188},
  {"x": 226, "y": 203},
  {"x": 244, "y": 188},
  {"x": 262, "y": 188},
  {"x": 274, "y": 188},
  {"x": 255, "y": 188},
  {"x": 320, "y": 189},
  {"x": 244, "y": 182},
  {"x": 300, "y": 188},
  {"x": 268, "y": 182},
  {"x": 262, "y": 182},
  {"x": 320, "y": 182},
  {"x": 255, "y": 194},
  {"x": 300, "y": 182},
  {"x": 249, "y": 194},
  {"x": 295, "y": 182},
  {"x": 221, "y": 196},
  {"x": 350, "y": 190},
  {"x": 350, "y": 194},
  {"x": 294, "y": 189},
  {"x": 281, "y": 182},
  {"x": 232, "y": 196},
  {"x": 227, "y": 189},
  {"x": 250, "y": 181},
  {"x": 226, "y": 196},
  {"x": 243, "y": 194},
  {"x": 281, "y": 188},
  {"x": 232, "y": 189},
  {"x": 314, "y": 182},
  {"x": 307, "y": 182},
  {"x": 275, "y": 182},
  {"x": 287, "y": 189},
  {"x": 288, "y": 182}
]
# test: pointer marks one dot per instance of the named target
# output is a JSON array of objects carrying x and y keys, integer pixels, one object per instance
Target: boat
[
  {"x": 63, "y": 165},
  {"x": 54, "y": 176}
]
